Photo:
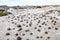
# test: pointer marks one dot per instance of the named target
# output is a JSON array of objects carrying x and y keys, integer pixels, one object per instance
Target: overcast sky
[{"x": 28, "y": 2}]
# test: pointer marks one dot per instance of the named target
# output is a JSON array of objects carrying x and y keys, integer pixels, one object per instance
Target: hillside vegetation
[{"x": 2, "y": 13}]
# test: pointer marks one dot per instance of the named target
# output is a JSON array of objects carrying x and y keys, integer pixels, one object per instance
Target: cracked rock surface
[{"x": 31, "y": 24}]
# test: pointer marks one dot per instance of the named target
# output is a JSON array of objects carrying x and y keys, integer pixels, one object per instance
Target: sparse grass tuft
[{"x": 2, "y": 13}]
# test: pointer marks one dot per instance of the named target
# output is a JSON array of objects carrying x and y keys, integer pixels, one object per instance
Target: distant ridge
[
  {"x": 25, "y": 7},
  {"x": 20, "y": 7}
]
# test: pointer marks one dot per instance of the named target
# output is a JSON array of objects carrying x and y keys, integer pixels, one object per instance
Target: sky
[{"x": 29, "y": 2}]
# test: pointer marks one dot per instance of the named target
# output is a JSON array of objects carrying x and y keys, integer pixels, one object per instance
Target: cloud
[
  {"x": 9, "y": 2},
  {"x": 28, "y": 2},
  {"x": 3, "y": 0}
]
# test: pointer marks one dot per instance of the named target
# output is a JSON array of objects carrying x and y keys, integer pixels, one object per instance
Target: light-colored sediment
[{"x": 31, "y": 24}]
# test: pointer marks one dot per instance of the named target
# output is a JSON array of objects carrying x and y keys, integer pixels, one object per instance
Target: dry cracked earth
[{"x": 31, "y": 24}]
